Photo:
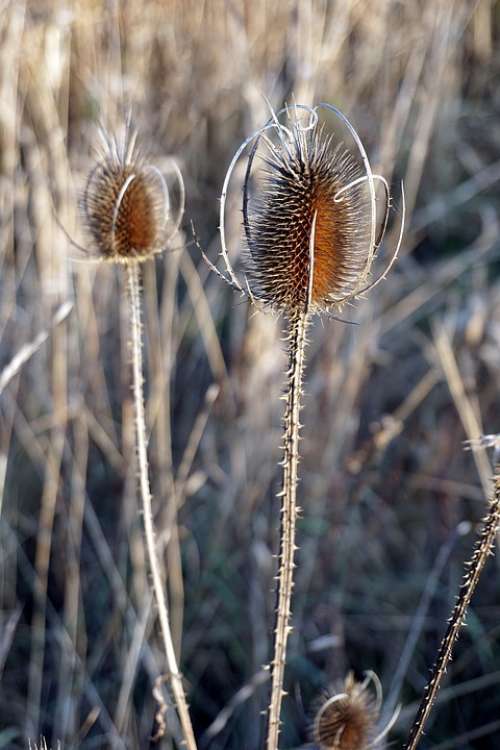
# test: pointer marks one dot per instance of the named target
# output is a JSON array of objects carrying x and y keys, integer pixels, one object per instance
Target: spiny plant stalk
[
  {"x": 311, "y": 237},
  {"x": 483, "y": 549},
  {"x": 175, "y": 677},
  {"x": 296, "y": 354},
  {"x": 126, "y": 209}
]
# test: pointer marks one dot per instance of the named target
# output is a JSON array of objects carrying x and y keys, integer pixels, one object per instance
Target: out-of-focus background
[{"x": 391, "y": 501}]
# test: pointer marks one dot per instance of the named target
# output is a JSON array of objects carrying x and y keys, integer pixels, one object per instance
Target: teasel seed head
[
  {"x": 346, "y": 720},
  {"x": 311, "y": 221},
  {"x": 296, "y": 227},
  {"x": 42, "y": 745},
  {"x": 126, "y": 204}
]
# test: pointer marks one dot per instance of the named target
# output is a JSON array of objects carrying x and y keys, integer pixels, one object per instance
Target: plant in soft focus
[
  {"x": 126, "y": 203},
  {"x": 126, "y": 209},
  {"x": 485, "y": 546},
  {"x": 42, "y": 745},
  {"x": 347, "y": 720},
  {"x": 311, "y": 233}
]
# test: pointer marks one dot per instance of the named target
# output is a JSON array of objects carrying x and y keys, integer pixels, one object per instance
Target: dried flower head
[
  {"x": 311, "y": 221},
  {"x": 126, "y": 203},
  {"x": 346, "y": 721},
  {"x": 298, "y": 206}
]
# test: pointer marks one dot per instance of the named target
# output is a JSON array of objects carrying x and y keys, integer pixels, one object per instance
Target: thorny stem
[
  {"x": 483, "y": 549},
  {"x": 175, "y": 677},
  {"x": 296, "y": 349}
]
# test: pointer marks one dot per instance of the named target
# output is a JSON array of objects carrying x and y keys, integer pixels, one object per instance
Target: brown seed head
[
  {"x": 299, "y": 226},
  {"x": 125, "y": 205},
  {"x": 346, "y": 721}
]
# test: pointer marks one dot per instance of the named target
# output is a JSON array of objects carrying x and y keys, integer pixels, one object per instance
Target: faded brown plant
[
  {"x": 311, "y": 235},
  {"x": 126, "y": 204},
  {"x": 299, "y": 192},
  {"x": 346, "y": 720}
]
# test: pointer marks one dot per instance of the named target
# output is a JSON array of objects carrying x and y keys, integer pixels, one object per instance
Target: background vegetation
[{"x": 390, "y": 500}]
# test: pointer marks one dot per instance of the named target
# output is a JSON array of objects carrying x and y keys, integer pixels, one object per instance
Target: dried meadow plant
[
  {"x": 126, "y": 205},
  {"x": 484, "y": 547},
  {"x": 126, "y": 208},
  {"x": 311, "y": 237},
  {"x": 347, "y": 720}
]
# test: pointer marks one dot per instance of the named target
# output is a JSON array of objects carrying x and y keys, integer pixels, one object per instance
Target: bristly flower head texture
[
  {"x": 311, "y": 223},
  {"x": 126, "y": 204},
  {"x": 348, "y": 720},
  {"x": 298, "y": 205}
]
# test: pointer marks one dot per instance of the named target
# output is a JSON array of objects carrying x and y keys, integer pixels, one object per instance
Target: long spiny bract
[
  {"x": 299, "y": 183},
  {"x": 483, "y": 549}
]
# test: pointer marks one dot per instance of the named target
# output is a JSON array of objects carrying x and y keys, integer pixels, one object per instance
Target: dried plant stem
[
  {"x": 175, "y": 677},
  {"x": 296, "y": 349},
  {"x": 483, "y": 549}
]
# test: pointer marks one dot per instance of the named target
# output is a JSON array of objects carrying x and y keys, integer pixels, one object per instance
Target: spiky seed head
[
  {"x": 301, "y": 223},
  {"x": 125, "y": 205},
  {"x": 42, "y": 745},
  {"x": 346, "y": 720}
]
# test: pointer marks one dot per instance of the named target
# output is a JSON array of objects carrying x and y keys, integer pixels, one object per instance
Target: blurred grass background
[{"x": 390, "y": 498}]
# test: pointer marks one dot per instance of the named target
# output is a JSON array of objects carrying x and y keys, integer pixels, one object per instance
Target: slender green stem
[
  {"x": 482, "y": 550},
  {"x": 291, "y": 425},
  {"x": 158, "y": 587}
]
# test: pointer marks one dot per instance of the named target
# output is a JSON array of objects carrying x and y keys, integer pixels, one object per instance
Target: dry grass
[{"x": 385, "y": 483}]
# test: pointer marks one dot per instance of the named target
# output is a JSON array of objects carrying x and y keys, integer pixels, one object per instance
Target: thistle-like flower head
[
  {"x": 347, "y": 720},
  {"x": 297, "y": 227},
  {"x": 126, "y": 203},
  {"x": 309, "y": 215}
]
